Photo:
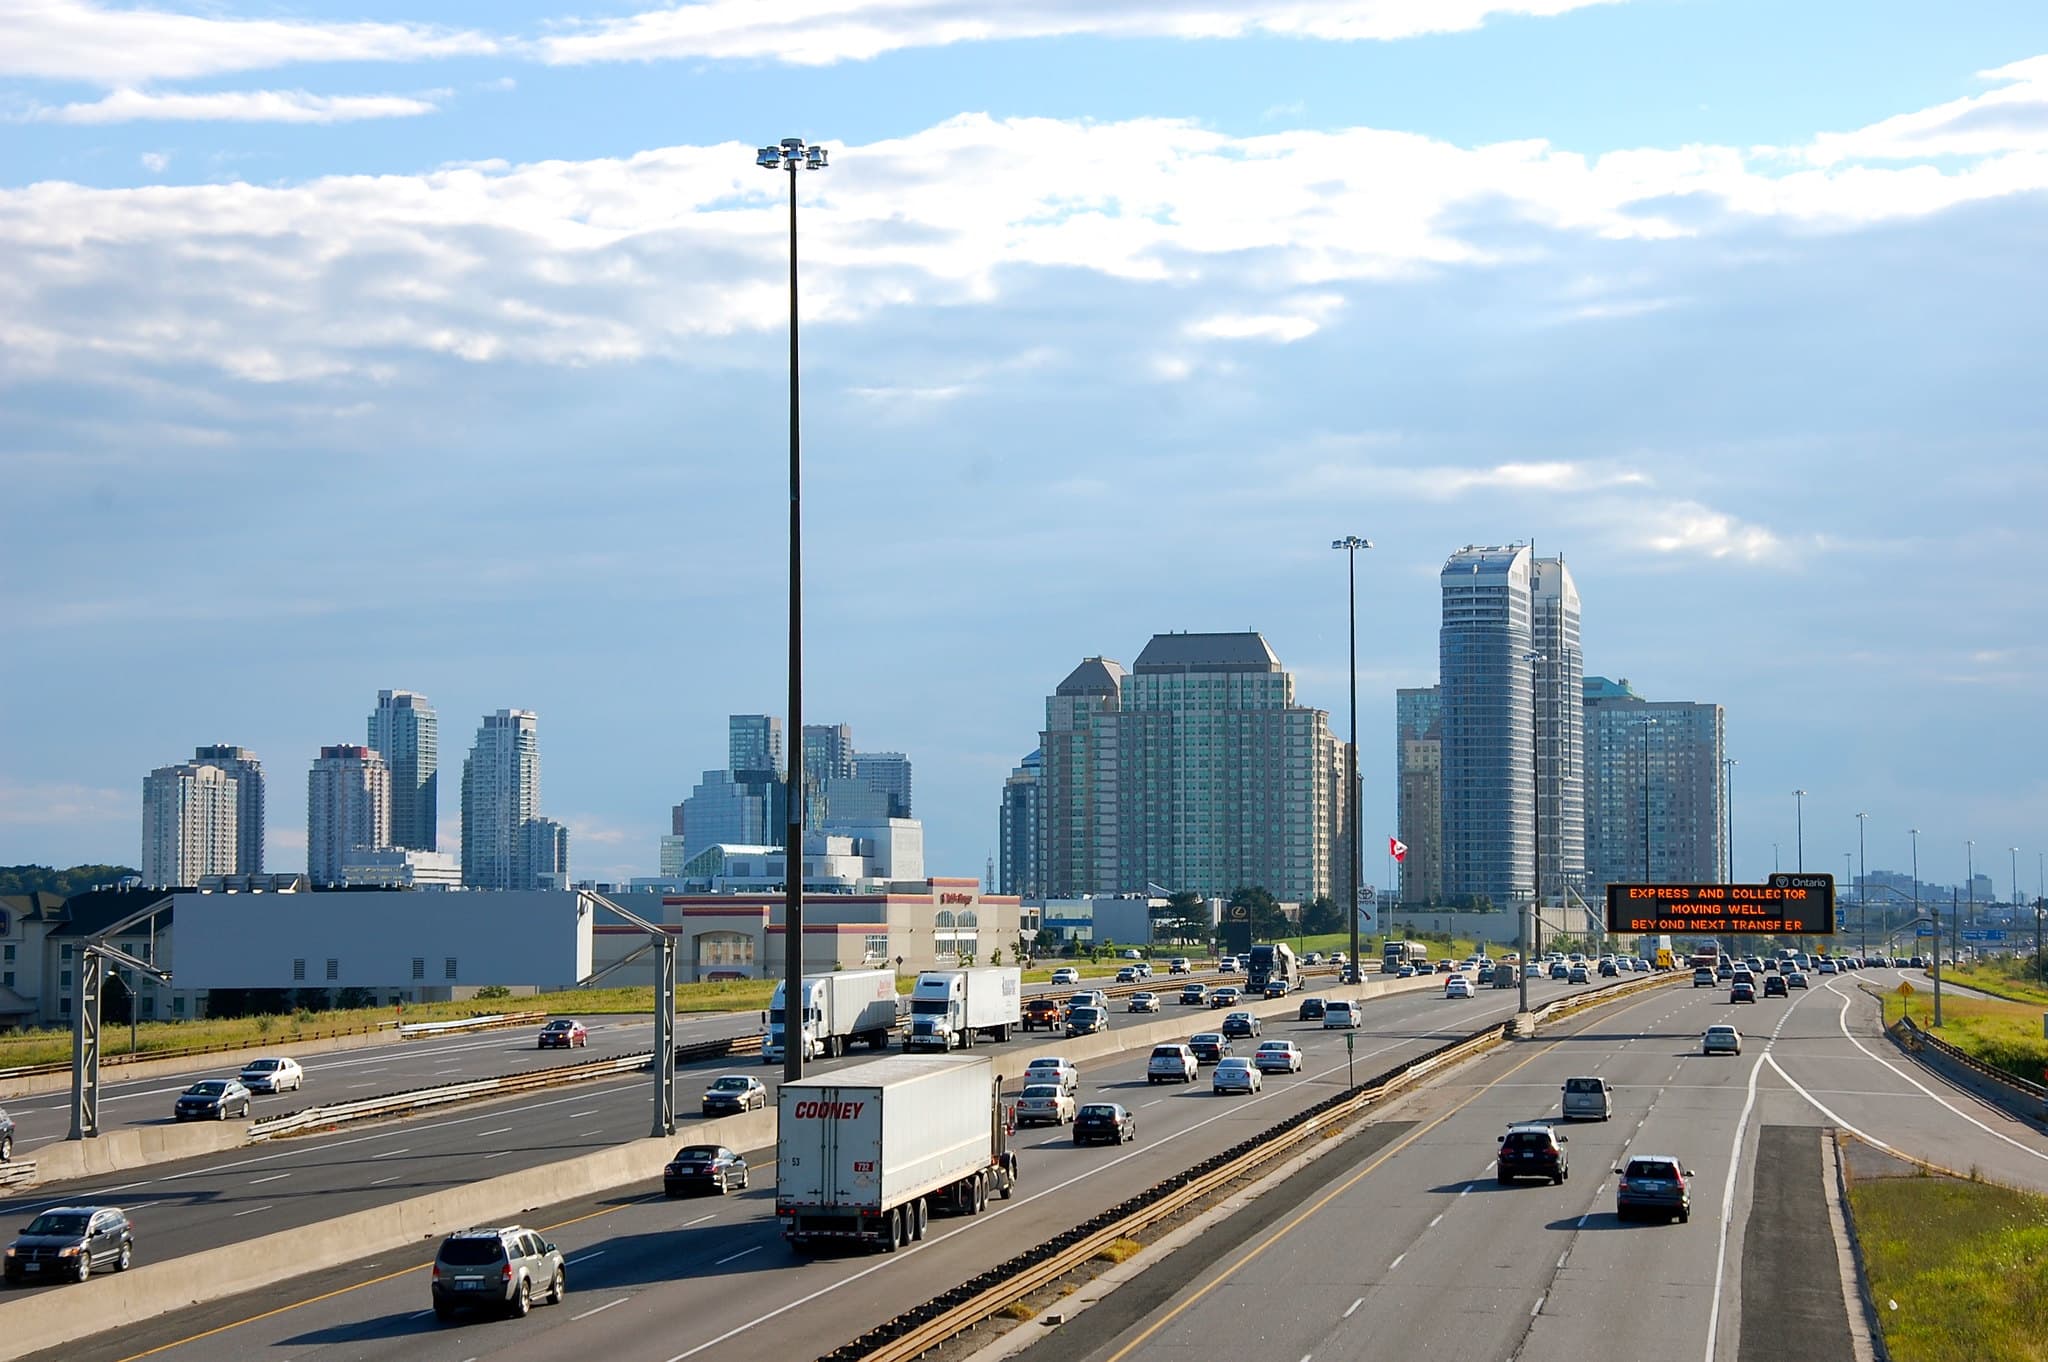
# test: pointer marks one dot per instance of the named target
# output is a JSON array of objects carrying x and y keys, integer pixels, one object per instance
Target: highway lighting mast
[{"x": 1351, "y": 544}]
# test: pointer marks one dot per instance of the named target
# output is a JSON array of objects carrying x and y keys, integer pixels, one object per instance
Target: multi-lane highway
[{"x": 658, "y": 1279}]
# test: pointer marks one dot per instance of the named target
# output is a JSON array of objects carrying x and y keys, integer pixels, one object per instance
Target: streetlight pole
[
  {"x": 789, "y": 155},
  {"x": 1862, "y": 912},
  {"x": 1970, "y": 877},
  {"x": 1351, "y": 544},
  {"x": 1799, "y": 859},
  {"x": 1728, "y": 765},
  {"x": 2015, "y": 875},
  {"x": 1914, "y": 833},
  {"x": 1649, "y": 722},
  {"x": 1536, "y": 824}
]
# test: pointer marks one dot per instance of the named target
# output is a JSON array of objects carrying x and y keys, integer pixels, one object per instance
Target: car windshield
[
  {"x": 1098, "y": 1112},
  {"x": 473, "y": 1251},
  {"x": 731, "y": 1083},
  {"x": 1044, "y": 1066},
  {"x": 1651, "y": 1168},
  {"x": 1041, "y": 1091},
  {"x": 1166, "y": 1052},
  {"x": 1235, "y": 1064},
  {"x": 1582, "y": 1085},
  {"x": 59, "y": 1222},
  {"x": 262, "y": 1066},
  {"x": 561, "y": 1025},
  {"x": 1724, "y": 1032},
  {"x": 1207, "y": 1038},
  {"x": 1276, "y": 1045},
  {"x": 212, "y": 1087},
  {"x": 1528, "y": 1139},
  {"x": 697, "y": 1151}
]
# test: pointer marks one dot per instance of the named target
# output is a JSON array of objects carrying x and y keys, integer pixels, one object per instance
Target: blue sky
[{"x": 348, "y": 346}]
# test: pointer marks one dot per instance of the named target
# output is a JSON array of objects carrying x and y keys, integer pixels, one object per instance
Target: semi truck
[
  {"x": 951, "y": 1009},
  {"x": 868, "y": 1154},
  {"x": 1398, "y": 953},
  {"x": 1270, "y": 965},
  {"x": 838, "y": 1009}
]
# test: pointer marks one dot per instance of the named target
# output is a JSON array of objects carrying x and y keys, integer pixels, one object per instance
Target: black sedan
[
  {"x": 1108, "y": 1122},
  {"x": 212, "y": 1099},
  {"x": 1774, "y": 986},
  {"x": 704, "y": 1168},
  {"x": 1311, "y": 1010},
  {"x": 733, "y": 1094},
  {"x": 71, "y": 1241}
]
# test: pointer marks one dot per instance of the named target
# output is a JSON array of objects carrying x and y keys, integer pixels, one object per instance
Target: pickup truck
[{"x": 1049, "y": 1014}]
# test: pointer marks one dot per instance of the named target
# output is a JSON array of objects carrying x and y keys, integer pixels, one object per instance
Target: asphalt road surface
[{"x": 655, "y": 1279}]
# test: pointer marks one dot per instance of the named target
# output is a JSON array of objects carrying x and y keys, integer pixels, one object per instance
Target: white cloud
[
  {"x": 1691, "y": 529},
  {"x": 239, "y": 106},
  {"x": 156, "y": 162},
  {"x": 823, "y": 32},
  {"x": 2012, "y": 118},
  {"x": 77, "y": 40},
  {"x": 1301, "y": 319},
  {"x": 43, "y": 804}
]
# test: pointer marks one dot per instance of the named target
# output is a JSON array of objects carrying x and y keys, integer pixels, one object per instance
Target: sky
[{"x": 387, "y": 343}]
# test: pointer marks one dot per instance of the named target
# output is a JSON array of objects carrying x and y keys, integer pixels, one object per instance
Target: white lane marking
[
  {"x": 1561, "y": 1257},
  {"x": 1537, "y": 1308},
  {"x": 1153, "y": 1103},
  {"x": 700, "y": 1220},
  {"x": 255, "y": 1182},
  {"x": 1842, "y": 1020},
  {"x": 1354, "y": 1305},
  {"x": 1468, "y": 1189},
  {"x": 421, "y": 1314},
  {"x": 251, "y": 1211},
  {"x": 583, "y": 1257},
  {"x": 1438, "y": 1221},
  {"x": 737, "y": 1256},
  {"x": 499, "y": 1131},
  {"x": 1390, "y": 1267},
  {"x": 353, "y": 1086},
  {"x": 1728, "y": 1204},
  {"x": 574, "y": 1114},
  {"x": 599, "y": 1309},
  {"x": 391, "y": 1153},
  {"x": 499, "y": 1155},
  {"x": 393, "y": 1178}
]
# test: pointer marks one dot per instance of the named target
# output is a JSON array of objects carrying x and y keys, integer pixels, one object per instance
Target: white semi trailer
[
  {"x": 951, "y": 1009},
  {"x": 866, "y": 1155},
  {"x": 838, "y": 1009}
]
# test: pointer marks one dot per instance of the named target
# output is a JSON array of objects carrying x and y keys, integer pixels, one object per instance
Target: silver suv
[{"x": 497, "y": 1269}]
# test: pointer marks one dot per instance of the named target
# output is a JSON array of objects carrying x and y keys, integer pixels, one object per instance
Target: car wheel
[
  {"x": 724, "y": 1183},
  {"x": 522, "y": 1300},
  {"x": 1684, "y": 1215},
  {"x": 6, "y": 1148},
  {"x": 245, "y": 1109},
  {"x": 84, "y": 1265},
  {"x": 558, "y": 1288},
  {"x": 1557, "y": 1179},
  {"x": 127, "y": 1258}
]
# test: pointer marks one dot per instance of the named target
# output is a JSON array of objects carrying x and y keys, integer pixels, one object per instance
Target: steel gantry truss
[{"x": 93, "y": 959}]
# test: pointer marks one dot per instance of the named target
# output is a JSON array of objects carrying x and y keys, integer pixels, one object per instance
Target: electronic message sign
[{"x": 1787, "y": 905}]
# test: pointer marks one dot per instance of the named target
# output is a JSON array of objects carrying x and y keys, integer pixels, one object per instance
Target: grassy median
[
  {"x": 2008, "y": 978},
  {"x": 1958, "y": 1270},
  {"x": 2005, "y": 1035}
]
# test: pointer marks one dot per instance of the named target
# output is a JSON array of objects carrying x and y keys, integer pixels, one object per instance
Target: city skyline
[{"x": 1060, "y": 340}]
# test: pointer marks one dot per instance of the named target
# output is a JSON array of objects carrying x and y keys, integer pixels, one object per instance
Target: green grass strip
[{"x": 1958, "y": 1270}]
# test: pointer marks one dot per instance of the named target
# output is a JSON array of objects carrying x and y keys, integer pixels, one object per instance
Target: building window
[
  {"x": 149, "y": 1006},
  {"x": 10, "y": 955},
  {"x": 64, "y": 952},
  {"x": 7, "y": 978},
  {"x": 64, "y": 1006},
  {"x": 448, "y": 968},
  {"x": 178, "y": 1004},
  {"x": 298, "y": 968},
  {"x": 333, "y": 969},
  {"x": 726, "y": 950},
  {"x": 877, "y": 946},
  {"x": 64, "y": 978},
  {"x": 419, "y": 967}
]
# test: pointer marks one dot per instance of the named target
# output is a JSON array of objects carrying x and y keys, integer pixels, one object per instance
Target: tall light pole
[
  {"x": 2015, "y": 875},
  {"x": 789, "y": 155},
  {"x": 1799, "y": 855},
  {"x": 1862, "y": 872},
  {"x": 1914, "y": 833},
  {"x": 1351, "y": 544},
  {"x": 1970, "y": 878},
  {"x": 1728, "y": 765}
]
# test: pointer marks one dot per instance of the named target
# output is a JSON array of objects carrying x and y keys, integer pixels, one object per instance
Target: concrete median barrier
[
  {"x": 134, "y": 1147},
  {"x": 116, "y": 1300}
]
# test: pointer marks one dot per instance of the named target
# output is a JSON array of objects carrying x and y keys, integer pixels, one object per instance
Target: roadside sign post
[{"x": 1351, "y": 1044}]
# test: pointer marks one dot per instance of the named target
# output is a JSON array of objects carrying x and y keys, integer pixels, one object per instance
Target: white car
[
  {"x": 1278, "y": 1056},
  {"x": 1055, "y": 1070},
  {"x": 1721, "y": 1039},
  {"x": 1143, "y": 1002},
  {"x": 274, "y": 1074},
  {"x": 1171, "y": 1064},
  {"x": 1342, "y": 1013},
  {"x": 1178, "y": 965},
  {"x": 1066, "y": 974},
  {"x": 1227, "y": 965},
  {"x": 1234, "y": 1073},
  {"x": 1457, "y": 986},
  {"x": 1045, "y": 1104}
]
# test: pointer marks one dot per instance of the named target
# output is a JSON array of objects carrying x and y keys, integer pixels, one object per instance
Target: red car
[{"x": 564, "y": 1033}]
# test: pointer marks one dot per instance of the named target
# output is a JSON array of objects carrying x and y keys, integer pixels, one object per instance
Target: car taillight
[
  {"x": 437, "y": 1269},
  {"x": 505, "y": 1272},
  {"x": 1621, "y": 1186}
]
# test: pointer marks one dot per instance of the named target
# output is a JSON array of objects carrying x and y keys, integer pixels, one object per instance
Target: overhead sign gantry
[{"x": 1785, "y": 905}]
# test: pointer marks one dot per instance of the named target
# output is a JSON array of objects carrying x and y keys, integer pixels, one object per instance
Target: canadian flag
[{"x": 1397, "y": 848}]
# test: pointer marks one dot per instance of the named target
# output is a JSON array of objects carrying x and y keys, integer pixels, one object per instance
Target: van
[
  {"x": 1340, "y": 1013},
  {"x": 1588, "y": 1099}
]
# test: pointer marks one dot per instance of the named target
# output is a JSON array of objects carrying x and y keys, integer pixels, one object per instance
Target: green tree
[
  {"x": 1182, "y": 918},
  {"x": 1268, "y": 922},
  {"x": 1321, "y": 916},
  {"x": 30, "y": 879},
  {"x": 1047, "y": 942}
]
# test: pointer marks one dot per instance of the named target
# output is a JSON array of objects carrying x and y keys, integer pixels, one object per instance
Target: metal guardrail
[
  {"x": 17, "y": 1170},
  {"x": 109, "y": 1059},
  {"x": 492, "y": 1022},
  {"x": 1911, "y": 1037},
  {"x": 918, "y": 1331},
  {"x": 420, "y": 1099}
]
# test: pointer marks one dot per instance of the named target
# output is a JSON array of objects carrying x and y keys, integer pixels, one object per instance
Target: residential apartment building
[
  {"x": 888, "y": 773},
  {"x": 1558, "y": 673},
  {"x": 190, "y": 824},
  {"x": 1019, "y": 830},
  {"x": 1419, "y": 816},
  {"x": 500, "y": 796},
  {"x": 1193, "y": 770},
  {"x": 1658, "y": 803},
  {"x": 406, "y": 732},
  {"x": 242, "y": 764},
  {"x": 348, "y": 810}
]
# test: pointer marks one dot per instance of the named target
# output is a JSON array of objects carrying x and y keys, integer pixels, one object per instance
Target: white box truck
[
  {"x": 839, "y": 1008},
  {"x": 866, "y": 1155},
  {"x": 951, "y": 1009}
]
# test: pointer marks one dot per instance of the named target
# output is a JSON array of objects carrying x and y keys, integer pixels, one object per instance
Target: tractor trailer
[
  {"x": 951, "y": 1009},
  {"x": 838, "y": 1009},
  {"x": 868, "y": 1154}
]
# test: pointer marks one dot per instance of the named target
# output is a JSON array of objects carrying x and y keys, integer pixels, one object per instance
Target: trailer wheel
[
  {"x": 923, "y": 1218},
  {"x": 895, "y": 1239}
]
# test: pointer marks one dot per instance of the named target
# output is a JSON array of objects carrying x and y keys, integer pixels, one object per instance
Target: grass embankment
[
  {"x": 2008, "y": 978},
  {"x": 1959, "y": 1270},
  {"x": 2004, "y": 1035}
]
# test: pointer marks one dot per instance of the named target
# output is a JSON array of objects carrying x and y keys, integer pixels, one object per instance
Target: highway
[
  {"x": 1415, "y": 1248},
  {"x": 657, "y": 1279}
]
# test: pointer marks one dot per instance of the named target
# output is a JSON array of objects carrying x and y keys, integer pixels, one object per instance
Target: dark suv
[
  {"x": 71, "y": 1241},
  {"x": 1532, "y": 1151},
  {"x": 497, "y": 1269},
  {"x": 1653, "y": 1184}
]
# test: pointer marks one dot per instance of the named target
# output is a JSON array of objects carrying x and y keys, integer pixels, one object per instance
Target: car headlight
[
  {"x": 71, "y": 1252},
  {"x": 10, "y": 1250}
]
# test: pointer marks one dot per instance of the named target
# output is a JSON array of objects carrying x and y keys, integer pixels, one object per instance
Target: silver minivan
[
  {"x": 1340, "y": 1014},
  {"x": 1588, "y": 1099}
]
